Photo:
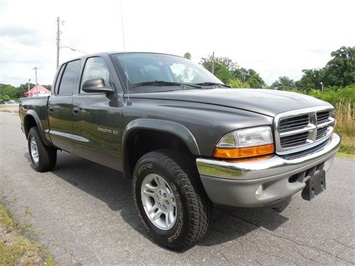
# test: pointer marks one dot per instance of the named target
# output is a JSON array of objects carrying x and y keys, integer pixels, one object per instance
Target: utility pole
[
  {"x": 28, "y": 85},
  {"x": 59, "y": 32},
  {"x": 35, "y": 68},
  {"x": 58, "y": 40},
  {"x": 212, "y": 62}
]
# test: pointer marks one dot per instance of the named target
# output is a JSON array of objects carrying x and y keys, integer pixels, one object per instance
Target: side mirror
[{"x": 96, "y": 85}]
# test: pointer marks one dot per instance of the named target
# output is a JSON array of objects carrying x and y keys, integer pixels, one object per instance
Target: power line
[{"x": 74, "y": 50}]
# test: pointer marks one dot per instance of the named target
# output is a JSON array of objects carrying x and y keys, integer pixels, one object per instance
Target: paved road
[{"x": 84, "y": 214}]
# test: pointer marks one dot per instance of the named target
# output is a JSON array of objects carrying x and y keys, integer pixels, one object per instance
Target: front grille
[
  {"x": 292, "y": 123},
  {"x": 302, "y": 129},
  {"x": 322, "y": 117},
  {"x": 296, "y": 140},
  {"x": 321, "y": 132}
]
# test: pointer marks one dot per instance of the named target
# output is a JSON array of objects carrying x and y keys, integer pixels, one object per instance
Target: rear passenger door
[{"x": 60, "y": 106}]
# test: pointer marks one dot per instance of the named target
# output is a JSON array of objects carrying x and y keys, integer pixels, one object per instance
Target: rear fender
[{"x": 32, "y": 119}]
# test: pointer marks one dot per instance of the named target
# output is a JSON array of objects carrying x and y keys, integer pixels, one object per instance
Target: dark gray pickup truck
[{"x": 184, "y": 138}]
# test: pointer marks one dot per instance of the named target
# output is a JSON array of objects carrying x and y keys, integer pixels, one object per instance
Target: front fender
[{"x": 170, "y": 127}]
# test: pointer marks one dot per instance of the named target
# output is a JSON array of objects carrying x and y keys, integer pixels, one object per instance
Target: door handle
[
  {"x": 50, "y": 108},
  {"x": 76, "y": 110}
]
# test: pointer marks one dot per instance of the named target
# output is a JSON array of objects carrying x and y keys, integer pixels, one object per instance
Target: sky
[{"x": 274, "y": 37}]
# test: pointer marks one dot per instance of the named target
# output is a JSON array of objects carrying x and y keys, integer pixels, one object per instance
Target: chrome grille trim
[{"x": 303, "y": 129}]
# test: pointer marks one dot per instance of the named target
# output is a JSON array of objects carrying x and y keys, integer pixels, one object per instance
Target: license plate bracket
[{"x": 314, "y": 185}]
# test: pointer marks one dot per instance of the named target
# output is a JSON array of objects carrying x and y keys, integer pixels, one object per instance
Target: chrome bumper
[{"x": 257, "y": 183}]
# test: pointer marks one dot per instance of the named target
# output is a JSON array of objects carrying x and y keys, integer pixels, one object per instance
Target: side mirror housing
[{"x": 96, "y": 85}]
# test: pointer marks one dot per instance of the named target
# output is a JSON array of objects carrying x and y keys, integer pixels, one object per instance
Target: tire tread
[
  {"x": 47, "y": 155},
  {"x": 187, "y": 178}
]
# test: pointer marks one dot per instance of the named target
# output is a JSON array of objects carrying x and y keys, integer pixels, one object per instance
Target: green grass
[
  {"x": 16, "y": 248},
  {"x": 345, "y": 156},
  {"x": 345, "y": 126},
  {"x": 344, "y": 101}
]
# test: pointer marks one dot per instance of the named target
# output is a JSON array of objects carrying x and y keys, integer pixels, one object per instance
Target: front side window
[
  {"x": 95, "y": 68},
  {"x": 68, "y": 81}
]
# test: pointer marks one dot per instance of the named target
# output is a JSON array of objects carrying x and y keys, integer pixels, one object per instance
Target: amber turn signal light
[{"x": 236, "y": 153}]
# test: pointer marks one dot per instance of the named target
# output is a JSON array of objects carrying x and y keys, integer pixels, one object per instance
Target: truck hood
[{"x": 266, "y": 102}]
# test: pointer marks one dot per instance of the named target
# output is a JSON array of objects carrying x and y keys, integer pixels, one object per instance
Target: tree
[
  {"x": 6, "y": 98},
  {"x": 237, "y": 83},
  {"x": 249, "y": 76},
  {"x": 48, "y": 87},
  {"x": 311, "y": 79},
  {"x": 219, "y": 62},
  {"x": 6, "y": 89},
  {"x": 241, "y": 74},
  {"x": 187, "y": 55},
  {"x": 283, "y": 83},
  {"x": 255, "y": 80},
  {"x": 223, "y": 67},
  {"x": 340, "y": 70},
  {"x": 22, "y": 89},
  {"x": 228, "y": 72}
]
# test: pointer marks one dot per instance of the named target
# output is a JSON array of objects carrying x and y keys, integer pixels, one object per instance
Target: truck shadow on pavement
[
  {"x": 231, "y": 223},
  {"x": 109, "y": 186}
]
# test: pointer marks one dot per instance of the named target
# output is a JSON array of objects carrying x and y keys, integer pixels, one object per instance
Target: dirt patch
[
  {"x": 16, "y": 248},
  {"x": 9, "y": 108}
]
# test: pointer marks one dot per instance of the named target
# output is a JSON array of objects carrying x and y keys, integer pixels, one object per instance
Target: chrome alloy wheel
[
  {"x": 159, "y": 202},
  {"x": 34, "y": 150}
]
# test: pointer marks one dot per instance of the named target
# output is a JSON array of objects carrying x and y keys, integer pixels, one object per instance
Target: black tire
[
  {"x": 185, "y": 218},
  {"x": 43, "y": 158}
]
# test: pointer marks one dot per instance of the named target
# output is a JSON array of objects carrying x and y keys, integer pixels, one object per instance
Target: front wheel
[
  {"x": 170, "y": 198},
  {"x": 43, "y": 158}
]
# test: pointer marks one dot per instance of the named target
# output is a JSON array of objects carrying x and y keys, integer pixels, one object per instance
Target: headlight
[{"x": 245, "y": 143}]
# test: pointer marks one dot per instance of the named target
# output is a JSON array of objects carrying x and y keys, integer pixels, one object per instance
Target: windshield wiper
[
  {"x": 212, "y": 84},
  {"x": 162, "y": 83}
]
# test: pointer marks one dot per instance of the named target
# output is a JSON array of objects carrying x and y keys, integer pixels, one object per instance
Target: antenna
[
  {"x": 122, "y": 22},
  {"x": 129, "y": 103}
]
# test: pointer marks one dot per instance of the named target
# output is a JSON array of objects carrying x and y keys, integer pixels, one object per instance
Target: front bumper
[{"x": 249, "y": 183}]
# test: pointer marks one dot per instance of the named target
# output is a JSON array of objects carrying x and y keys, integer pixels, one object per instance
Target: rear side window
[{"x": 68, "y": 81}]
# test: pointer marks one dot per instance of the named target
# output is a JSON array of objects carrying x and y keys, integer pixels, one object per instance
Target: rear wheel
[
  {"x": 170, "y": 198},
  {"x": 43, "y": 158}
]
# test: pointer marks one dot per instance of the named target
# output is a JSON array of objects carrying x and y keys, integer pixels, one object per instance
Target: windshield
[{"x": 147, "y": 70}]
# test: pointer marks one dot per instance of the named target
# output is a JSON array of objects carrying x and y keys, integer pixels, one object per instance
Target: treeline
[
  {"x": 9, "y": 92},
  {"x": 339, "y": 72}
]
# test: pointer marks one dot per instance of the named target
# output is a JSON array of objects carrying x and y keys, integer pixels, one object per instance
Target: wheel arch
[
  {"x": 160, "y": 134},
  {"x": 32, "y": 120}
]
